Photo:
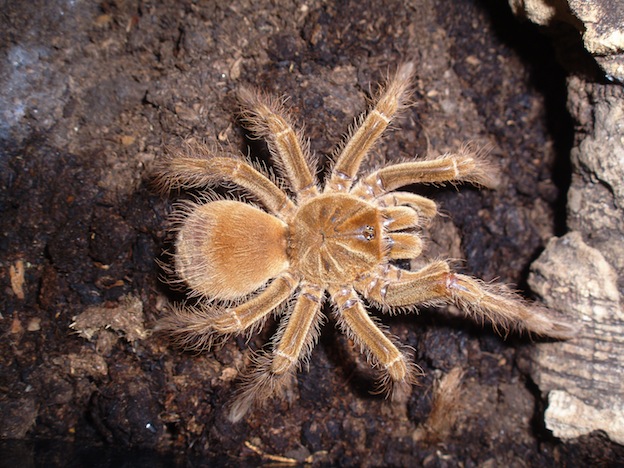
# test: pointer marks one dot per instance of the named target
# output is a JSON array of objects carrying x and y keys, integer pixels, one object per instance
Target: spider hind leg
[
  {"x": 273, "y": 372},
  {"x": 398, "y": 371}
]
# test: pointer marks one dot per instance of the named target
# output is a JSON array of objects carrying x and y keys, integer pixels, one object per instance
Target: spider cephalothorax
[{"x": 245, "y": 262}]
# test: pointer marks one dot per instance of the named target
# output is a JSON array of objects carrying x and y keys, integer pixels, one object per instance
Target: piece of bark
[
  {"x": 584, "y": 377},
  {"x": 582, "y": 273},
  {"x": 599, "y": 22}
]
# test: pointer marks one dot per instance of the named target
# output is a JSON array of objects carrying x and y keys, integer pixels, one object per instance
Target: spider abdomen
[
  {"x": 335, "y": 238},
  {"x": 227, "y": 249}
]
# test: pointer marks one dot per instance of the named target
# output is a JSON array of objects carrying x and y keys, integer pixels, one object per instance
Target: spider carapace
[{"x": 302, "y": 242}]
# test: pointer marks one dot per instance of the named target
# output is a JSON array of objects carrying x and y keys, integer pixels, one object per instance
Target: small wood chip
[{"x": 16, "y": 272}]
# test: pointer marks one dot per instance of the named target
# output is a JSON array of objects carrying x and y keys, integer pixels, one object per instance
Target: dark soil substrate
[{"x": 91, "y": 94}]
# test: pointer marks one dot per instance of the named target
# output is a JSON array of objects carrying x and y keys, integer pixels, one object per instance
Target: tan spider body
[{"x": 245, "y": 262}]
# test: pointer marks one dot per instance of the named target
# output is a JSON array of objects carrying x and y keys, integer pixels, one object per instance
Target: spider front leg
[
  {"x": 466, "y": 166},
  {"x": 436, "y": 283},
  {"x": 370, "y": 130},
  {"x": 355, "y": 323},
  {"x": 292, "y": 344}
]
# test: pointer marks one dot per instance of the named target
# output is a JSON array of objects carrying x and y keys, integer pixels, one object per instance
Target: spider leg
[
  {"x": 425, "y": 207},
  {"x": 301, "y": 331},
  {"x": 436, "y": 283},
  {"x": 267, "y": 118},
  {"x": 196, "y": 327},
  {"x": 293, "y": 343},
  {"x": 356, "y": 324},
  {"x": 369, "y": 130},
  {"x": 465, "y": 166},
  {"x": 191, "y": 172}
]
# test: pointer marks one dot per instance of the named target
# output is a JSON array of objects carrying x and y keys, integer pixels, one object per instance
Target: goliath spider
[{"x": 245, "y": 262}]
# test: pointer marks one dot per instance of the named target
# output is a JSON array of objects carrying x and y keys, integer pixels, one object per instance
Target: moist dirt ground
[{"x": 93, "y": 93}]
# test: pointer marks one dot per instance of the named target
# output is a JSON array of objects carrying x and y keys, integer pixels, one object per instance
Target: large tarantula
[{"x": 244, "y": 262}]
